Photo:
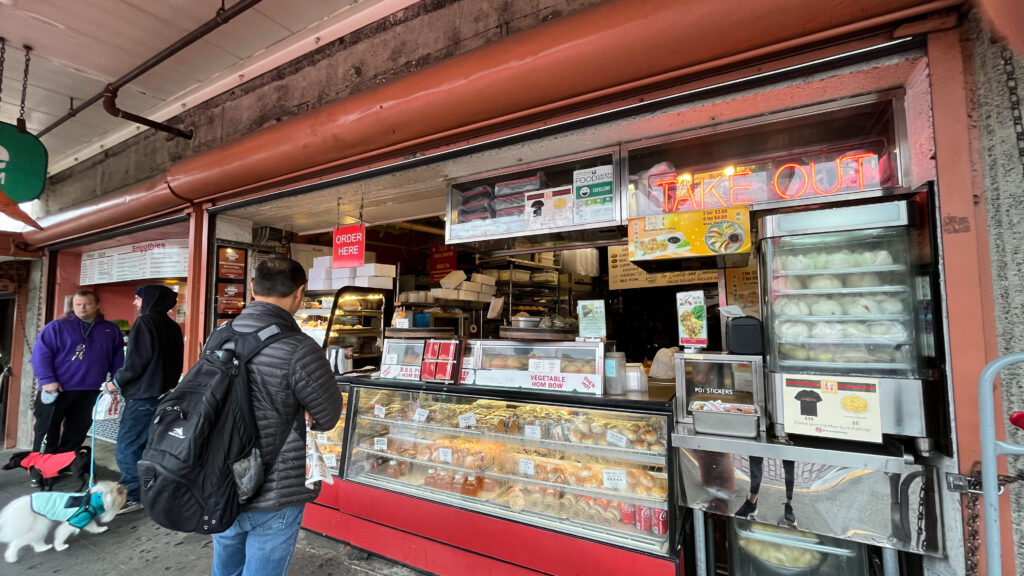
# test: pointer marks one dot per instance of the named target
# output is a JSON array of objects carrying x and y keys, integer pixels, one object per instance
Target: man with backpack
[
  {"x": 152, "y": 366},
  {"x": 291, "y": 381}
]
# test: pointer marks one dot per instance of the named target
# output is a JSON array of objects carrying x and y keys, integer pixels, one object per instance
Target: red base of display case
[{"x": 445, "y": 540}]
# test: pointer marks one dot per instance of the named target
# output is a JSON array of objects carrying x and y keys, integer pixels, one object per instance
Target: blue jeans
[
  {"x": 132, "y": 434},
  {"x": 259, "y": 543}
]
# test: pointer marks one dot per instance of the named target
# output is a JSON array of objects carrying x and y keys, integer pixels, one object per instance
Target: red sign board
[
  {"x": 231, "y": 263},
  {"x": 349, "y": 246},
  {"x": 442, "y": 261},
  {"x": 745, "y": 183}
]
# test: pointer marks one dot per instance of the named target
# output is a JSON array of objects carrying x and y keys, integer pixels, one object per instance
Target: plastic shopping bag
[
  {"x": 108, "y": 406},
  {"x": 316, "y": 465}
]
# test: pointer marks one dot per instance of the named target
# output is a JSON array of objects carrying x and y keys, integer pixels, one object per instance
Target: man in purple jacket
[{"x": 72, "y": 357}]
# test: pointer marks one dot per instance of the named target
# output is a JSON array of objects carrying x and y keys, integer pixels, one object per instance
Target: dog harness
[
  {"x": 75, "y": 509},
  {"x": 49, "y": 465}
]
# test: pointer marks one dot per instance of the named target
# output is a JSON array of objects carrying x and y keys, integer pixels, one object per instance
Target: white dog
[{"x": 27, "y": 520}]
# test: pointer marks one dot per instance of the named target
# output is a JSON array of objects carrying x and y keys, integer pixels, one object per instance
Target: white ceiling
[{"x": 80, "y": 46}]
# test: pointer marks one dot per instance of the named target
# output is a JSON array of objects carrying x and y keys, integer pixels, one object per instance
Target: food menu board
[
  {"x": 742, "y": 289},
  {"x": 623, "y": 274},
  {"x": 231, "y": 263},
  {"x": 551, "y": 208},
  {"x": 231, "y": 285},
  {"x": 840, "y": 407},
  {"x": 689, "y": 234},
  {"x": 158, "y": 259}
]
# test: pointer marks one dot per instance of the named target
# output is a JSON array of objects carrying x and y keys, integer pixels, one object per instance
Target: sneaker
[
  {"x": 789, "y": 516},
  {"x": 131, "y": 506},
  {"x": 747, "y": 509},
  {"x": 33, "y": 483}
]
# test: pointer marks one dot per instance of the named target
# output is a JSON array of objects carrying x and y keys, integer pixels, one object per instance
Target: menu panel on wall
[
  {"x": 623, "y": 274},
  {"x": 162, "y": 259}
]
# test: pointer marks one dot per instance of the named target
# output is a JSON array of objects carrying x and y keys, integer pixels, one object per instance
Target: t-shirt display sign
[
  {"x": 551, "y": 208},
  {"x": 349, "y": 250},
  {"x": 841, "y": 407},
  {"x": 159, "y": 259}
]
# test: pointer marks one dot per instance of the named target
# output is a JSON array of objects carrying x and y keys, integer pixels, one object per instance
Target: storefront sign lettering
[
  {"x": 349, "y": 250},
  {"x": 442, "y": 262},
  {"x": 769, "y": 181}
]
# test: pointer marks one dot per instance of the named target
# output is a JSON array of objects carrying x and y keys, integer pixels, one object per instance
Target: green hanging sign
[{"x": 23, "y": 161}]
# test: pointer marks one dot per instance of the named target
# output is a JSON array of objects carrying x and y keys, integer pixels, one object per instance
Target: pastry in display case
[
  {"x": 357, "y": 324},
  {"x": 557, "y": 366},
  {"x": 314, "y": 316},
  {"x": 841, "y": 303},
  {"x": 332, "y": 442},
  {"x": 601, "y": 474}
]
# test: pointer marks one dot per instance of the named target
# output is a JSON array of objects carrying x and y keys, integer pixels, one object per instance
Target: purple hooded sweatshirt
[{"x": 53, "y": 358}]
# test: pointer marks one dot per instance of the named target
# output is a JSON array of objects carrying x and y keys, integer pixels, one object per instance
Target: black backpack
[{"x": 202, "y": 460}]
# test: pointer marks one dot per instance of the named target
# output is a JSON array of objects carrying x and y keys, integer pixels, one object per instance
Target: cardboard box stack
[
  {"x": 455, "y": 286},
  {"x": 323, "y": 277}
]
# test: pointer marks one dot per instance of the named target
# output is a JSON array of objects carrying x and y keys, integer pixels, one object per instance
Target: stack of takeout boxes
[
  {"x": 372, "y": 275},
  {"x": 456, "y": 286}
]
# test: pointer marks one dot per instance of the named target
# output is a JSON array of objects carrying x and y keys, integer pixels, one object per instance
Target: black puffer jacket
[{"x": 289, "y": 377}]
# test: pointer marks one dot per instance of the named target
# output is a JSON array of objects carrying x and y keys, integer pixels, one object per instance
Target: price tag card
[
  {"x": 614, "y": 479},
  {"x": 526, "y": 467},
  {"x": 380, "y": 444},
  {"x": 420, "y": 415},
  {"x": 550, "y": 365},
  {"x": 401, "y": 322},
  {"x": 467, "y": 420},
  {"x": 379, "y": 411},
  {"x": 532, "y": 432},
  {"x": 391, "y": 359},
  {"x": 444, "y": 455},
  {"x": 321, "y": 437},
  {"x": 331, "y": 460},
  {"x": 616, "y": 439}
]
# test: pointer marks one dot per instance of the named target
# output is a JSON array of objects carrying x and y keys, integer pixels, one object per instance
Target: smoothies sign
[
  {"x": 775, "y": 180},
  {"x": 349, "y": 250}
]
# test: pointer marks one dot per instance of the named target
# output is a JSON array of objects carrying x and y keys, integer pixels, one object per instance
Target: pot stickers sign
[{"x": 23, "y": 160}]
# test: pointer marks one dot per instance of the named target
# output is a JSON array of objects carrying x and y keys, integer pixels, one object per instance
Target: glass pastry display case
[
  {"x": 332, "y": 442},
  {"x": 355, "y": 329},
  {"x": 555, "y": 366},
  {"x": 596, "y": 473},
  {"x": 314, "y": 315}
]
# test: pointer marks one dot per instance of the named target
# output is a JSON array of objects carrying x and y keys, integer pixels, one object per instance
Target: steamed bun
[
  {"x": 793, "y": 330},
  {"x": 860, "y": 306},
  {"x": 825, "y": 282},
  {"x": 890, "y": 305},
  {"x": 841, "y": 259},
  {"x": 826, "y": 307},
  {"x": 790, "y": 307},
  {"x": 783, "y": 283},
  {"x": 827, "y": 330},
  {"x": 863, "y": 280}
]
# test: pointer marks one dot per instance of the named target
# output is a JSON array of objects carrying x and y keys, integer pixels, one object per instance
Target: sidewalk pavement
[{"x": 134, "y": 545}]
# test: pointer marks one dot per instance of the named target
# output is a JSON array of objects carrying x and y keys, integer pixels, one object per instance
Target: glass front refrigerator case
[{"x": 574, "y": 469}]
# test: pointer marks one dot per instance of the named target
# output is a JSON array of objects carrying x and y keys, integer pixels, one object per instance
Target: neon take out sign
[{"x": 772, "y": 180}]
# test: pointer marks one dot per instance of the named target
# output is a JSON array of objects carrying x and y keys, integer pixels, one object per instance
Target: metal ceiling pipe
[
  {"x": 110, "y": 105},
  {"x": 222, "y": 17},
  {"x": 616, "y": 48}
]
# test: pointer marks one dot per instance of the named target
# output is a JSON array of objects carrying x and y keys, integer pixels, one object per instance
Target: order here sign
[{"x": 349, "y": 246}]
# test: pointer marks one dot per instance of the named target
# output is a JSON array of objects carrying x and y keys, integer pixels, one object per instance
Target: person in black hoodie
[{"x": 152, "y": 366}]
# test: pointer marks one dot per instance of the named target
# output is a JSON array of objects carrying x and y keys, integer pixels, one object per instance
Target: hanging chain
[
  {"x": 3, "y": 58},
  {"x": 922, "y": 502},
  {"x": 360, "y": 208},
  {"x": 338, "y": 221},
  {"x": 24, "y": 88},
  {"x": 972, "y": 544},
  {"x": 1011, "y": 85}
]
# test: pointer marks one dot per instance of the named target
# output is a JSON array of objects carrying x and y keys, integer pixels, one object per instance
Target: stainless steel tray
[{"x": 726, "y": 423}]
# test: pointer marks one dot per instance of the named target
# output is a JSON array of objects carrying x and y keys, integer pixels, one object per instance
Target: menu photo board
[
  {"x": 690, "y": 234},
  {"x": 623, "y": 274},
  {"x": 841, "y": 407},
  {"x": 157, "y": 259},
  {"x": 231, "y": 263},
  {"x": 742, "y": 288}
]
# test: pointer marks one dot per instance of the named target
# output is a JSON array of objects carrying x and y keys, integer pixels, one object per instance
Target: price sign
[
  {"x": 526, "y": 467},
  {"x": 379, "y": 411},
  {"x": 532, "y": 432},
  {"x": 616, "y": 439},
  {"x": 614, "y": 479},
  {"x": 401, "y": 322},
  {"x": 321, "y": 437},
  {"x": 380, "y": 444},
  {"x": 444, "y": 455},
  {"x": 467, "y": 420},
  {"x": 391, "y": 359},
  {"x": 420, "y": 415},
  {"x": 331, "y": 460},
  {"x": 545, "y": 365}
]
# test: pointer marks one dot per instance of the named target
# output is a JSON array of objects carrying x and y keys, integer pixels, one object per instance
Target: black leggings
[
  {"x": 65, "y": 422},
  {"x": 756, "y": 469}
]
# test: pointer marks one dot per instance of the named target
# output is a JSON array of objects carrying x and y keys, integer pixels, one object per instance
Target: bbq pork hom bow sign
[{"x": 349, "y": 249}]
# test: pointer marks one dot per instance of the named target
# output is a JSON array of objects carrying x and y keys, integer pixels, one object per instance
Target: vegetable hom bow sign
[{"x": 349, "y": 249}]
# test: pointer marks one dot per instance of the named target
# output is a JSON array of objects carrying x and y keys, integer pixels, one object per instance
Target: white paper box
[
  {"x": 340, "y": 283},
  {"x": 385, "y": 270},
  {"x": 343, "y": 273},
  {"x": 321, "y": 262},
  {"x": 485, "y": 279},
  {"x": 318, "y": 284},
  {"x": 481, "y": 297},
  {"x": 453, "y": 279},
  {"x": 379, "y": 282},
  {"x": 471, "y": 286},
  {"x": 319, "y": 273},
  {"x": 488, "y": 290},
  {"x": 468, "y": 295},
  {"x": 445, "y": 293}
]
